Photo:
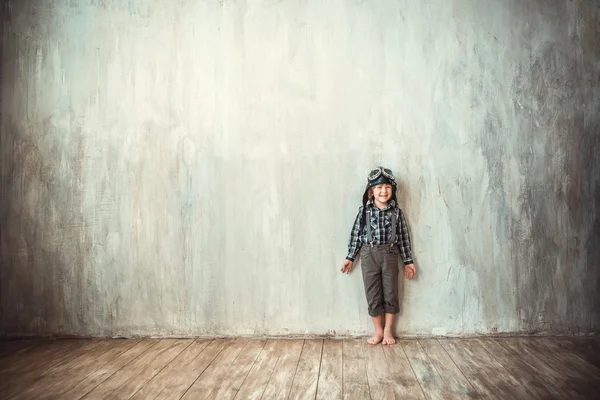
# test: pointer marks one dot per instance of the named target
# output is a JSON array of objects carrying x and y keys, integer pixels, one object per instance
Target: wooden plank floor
[{"x": 479, "y": 368}]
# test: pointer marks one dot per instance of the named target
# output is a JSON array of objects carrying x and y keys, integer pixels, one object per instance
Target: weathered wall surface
[{"x": 194, "y": 167}]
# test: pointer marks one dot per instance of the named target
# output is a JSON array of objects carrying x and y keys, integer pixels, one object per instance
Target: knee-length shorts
[{"x": 379, "y": 266}]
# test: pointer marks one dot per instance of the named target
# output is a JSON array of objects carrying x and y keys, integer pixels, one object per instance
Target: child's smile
[{"x": 382, "y": 194}]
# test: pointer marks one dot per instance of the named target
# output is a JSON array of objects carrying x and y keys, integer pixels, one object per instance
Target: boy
[{"x": 381, "y": 235}]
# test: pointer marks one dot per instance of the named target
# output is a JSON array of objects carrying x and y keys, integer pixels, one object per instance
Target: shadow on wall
[
  {"x": 403, "y": 202},
  {"x": 42, "y": 234},
  {"x": 560, "y": 198},
  {"x": 43, "y": 289}
]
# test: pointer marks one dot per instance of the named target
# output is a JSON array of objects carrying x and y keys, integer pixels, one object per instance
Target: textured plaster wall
[{"x": 194, "y": 167}]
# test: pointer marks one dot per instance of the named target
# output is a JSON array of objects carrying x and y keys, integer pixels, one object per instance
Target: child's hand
[
  {"x": 347, "y": 267},
  {"x": 409, "y": 271}
]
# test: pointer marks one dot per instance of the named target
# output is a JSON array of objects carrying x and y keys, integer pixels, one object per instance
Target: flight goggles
[{"x": 377, "y": 172}]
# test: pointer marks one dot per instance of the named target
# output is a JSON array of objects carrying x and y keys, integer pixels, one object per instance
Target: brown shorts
[{"x": 379, "y": 266}]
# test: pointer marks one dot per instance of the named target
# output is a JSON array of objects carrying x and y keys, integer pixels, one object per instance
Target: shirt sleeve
[
  {"x": 354, "y": 242},
  {"x": 404, "y": 239}
]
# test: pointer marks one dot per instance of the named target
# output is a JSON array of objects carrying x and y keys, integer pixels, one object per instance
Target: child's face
[{"x": 382, "y": 193}]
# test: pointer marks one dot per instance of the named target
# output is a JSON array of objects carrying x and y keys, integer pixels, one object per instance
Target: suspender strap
[
  {"x": 369, "y": 240},
  {"x": 393, "y": 239}
]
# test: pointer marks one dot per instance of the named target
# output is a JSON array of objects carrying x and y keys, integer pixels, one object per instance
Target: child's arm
[
  {"x": 353, "y": 244},
  {"x": 409, "y": 268},
  {"x": 404, "y": 239}
]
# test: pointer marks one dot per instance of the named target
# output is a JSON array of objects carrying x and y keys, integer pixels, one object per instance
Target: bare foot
[
  {"x": 388, "y": 338},
  {"x": 375, "y": 339}
]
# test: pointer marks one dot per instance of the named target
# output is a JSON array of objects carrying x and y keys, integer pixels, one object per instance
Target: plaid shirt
[{"x": 381, "y": 232}]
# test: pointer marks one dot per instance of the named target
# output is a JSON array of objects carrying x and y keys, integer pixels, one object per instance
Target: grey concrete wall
[{"x": 194, "y": 167}]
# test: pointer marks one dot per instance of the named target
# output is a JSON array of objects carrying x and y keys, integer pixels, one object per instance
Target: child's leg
[
  {"x": 388, "y": 334},
  {"x": 371, "y": 272},
  {"x": 389, "y": 275},
  {"x": 378, "y": 336}
]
